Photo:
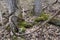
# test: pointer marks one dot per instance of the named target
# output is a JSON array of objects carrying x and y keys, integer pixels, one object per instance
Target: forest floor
[{"x": 49, "y": 32}]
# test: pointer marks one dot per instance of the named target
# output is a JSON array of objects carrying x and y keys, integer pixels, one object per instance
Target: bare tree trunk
[{"x": 37, "y": 7}]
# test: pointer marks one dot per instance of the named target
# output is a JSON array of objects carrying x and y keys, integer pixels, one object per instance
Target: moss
[
  {"x": 24, "y": 24},
  {"x": 44, "y": 16},
  {"x": 23, "y": 29},
  {"x": 28, "y": 25}
]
